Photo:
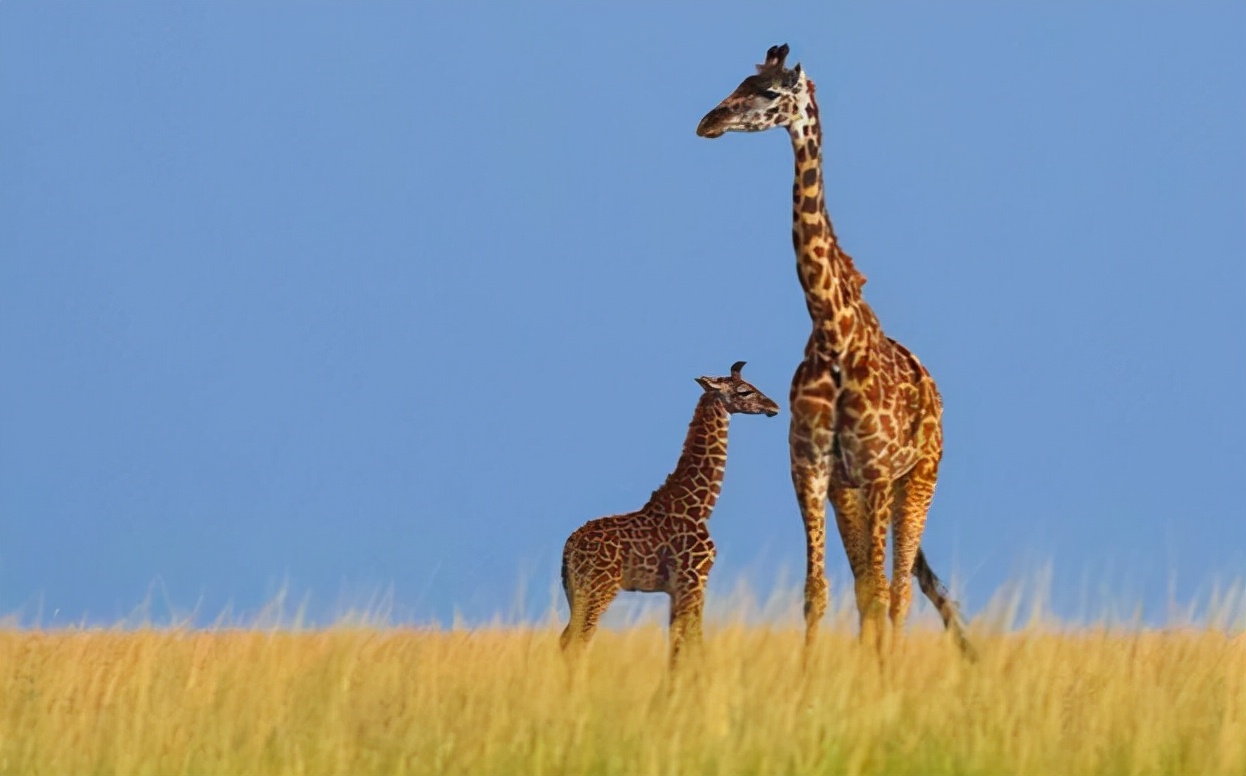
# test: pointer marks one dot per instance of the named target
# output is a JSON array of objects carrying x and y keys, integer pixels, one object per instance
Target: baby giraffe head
[
  {"x": 774, "y": 97},
  {"x": 738, "y": 395}
]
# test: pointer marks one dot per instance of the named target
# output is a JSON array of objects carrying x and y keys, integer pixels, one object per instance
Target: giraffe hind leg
[
  {"x": 913, "y": 505},
  {"x": 574, "y": 625},
  {"x": 850, "y": 519},
  {"x": 913, "y": 494},
  {"x": 873, "y": 592},
  {"x": 587, "y": 606},
  {"x": 576, "y": 621}
]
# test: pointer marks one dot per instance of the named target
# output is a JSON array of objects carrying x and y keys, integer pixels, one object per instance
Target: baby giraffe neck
[{"x": 692, "y": 489}]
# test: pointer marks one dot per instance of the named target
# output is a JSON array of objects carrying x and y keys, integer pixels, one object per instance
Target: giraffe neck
[
  {"x": 828, "y": 276},
  {"x": 692, "y": 489}
]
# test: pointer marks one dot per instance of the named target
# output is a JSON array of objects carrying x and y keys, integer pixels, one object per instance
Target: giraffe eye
[
  {"x": 743, "y": 392},
  {"x": 769, "y": 95}
]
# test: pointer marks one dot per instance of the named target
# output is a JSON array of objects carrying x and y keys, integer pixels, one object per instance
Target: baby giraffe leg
[
  {"x": 687, "y": 609},
  {"x": 598, "y": 602},
  {"x": 586, "y": 609},
  {"x": 575, "y": 624}
]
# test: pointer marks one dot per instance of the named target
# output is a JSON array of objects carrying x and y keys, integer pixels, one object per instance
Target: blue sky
[{"x": 391, "y": 298}]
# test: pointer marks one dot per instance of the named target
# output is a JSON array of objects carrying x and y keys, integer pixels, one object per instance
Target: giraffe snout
[{"x": 710, "y": 125}]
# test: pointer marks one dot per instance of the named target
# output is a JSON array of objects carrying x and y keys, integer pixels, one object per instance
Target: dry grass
[{"x": 362, "y": 700}]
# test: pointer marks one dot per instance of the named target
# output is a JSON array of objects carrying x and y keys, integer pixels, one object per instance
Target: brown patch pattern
[
  {"x": 866, "y": 427},
  {"x": 664, "y": 547}
]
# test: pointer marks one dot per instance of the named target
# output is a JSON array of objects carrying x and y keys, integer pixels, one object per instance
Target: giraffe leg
[
  {"x": 687, "y": 610},
  {"x": 873, "y": 594},
  {"x": 598, "y": 602},
  {"x": 908, "y": 521},
  {"x": 575, "y": 624},
  {"x": 586, "y": 609},
  {"x": 576, "y": 621},
  {"x": 811, "y": 478},
  {"x": 909, "y": 524},
  {"x": 811, "y": 439},
  {"x": 852, "y": 519}
]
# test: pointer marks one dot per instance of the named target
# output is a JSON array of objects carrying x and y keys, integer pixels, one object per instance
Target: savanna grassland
[{"x": 387, "y": 700}]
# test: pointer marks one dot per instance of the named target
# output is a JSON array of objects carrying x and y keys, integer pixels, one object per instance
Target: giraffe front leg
[
  {"x": 687, "y": 611},
  {"x": 811, "y": 440},
  {"x": 811, "y": 478},
  {"x": 695, "y": 559}
]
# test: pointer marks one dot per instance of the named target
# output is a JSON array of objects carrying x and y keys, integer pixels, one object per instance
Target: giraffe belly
[
  {"x": 875, "y": 446},
  {"x": 644, "y": 578},
  {"x": 869, "y": 459},
  {"x": 646, "y": 568}
]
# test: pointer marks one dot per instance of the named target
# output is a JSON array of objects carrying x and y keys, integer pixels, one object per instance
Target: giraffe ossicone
[
  {"x": 866, "y": 417},
  {"x": 665, "y": 546}
]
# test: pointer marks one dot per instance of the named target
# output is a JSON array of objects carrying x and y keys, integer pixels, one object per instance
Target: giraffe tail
[{"x": 949, "y": 610}]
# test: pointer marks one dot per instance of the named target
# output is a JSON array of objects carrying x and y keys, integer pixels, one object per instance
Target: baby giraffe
[{"x": 664, "y": 547}]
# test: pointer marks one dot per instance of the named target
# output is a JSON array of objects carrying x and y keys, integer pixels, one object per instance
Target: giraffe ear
[
  {"x": 791, "y": 77},
  {"x": 711, "y": 383}
]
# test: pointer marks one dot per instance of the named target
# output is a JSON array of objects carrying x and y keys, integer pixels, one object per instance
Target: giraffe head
[
  {"x": 738, "y": 395},
  {"x": 774, "y": 97}
]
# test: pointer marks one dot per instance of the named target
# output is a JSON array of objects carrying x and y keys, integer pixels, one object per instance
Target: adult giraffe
[{"x": 866, "y": 428}]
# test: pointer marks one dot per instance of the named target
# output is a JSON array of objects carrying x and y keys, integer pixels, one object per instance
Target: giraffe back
[{"x": 637, "y": 551}]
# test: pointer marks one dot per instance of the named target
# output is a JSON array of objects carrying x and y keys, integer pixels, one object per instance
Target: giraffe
[
  {"x": 664, "y": 547},
  {"x": 866, "y": 418}
]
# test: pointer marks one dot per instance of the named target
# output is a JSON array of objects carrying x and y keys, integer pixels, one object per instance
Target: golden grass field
[{"x": 357, "y": 699}]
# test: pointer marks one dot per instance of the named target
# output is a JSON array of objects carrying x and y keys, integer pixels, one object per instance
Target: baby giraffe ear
[{"x": 709, "y": 383}]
